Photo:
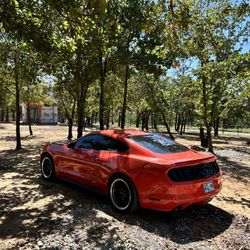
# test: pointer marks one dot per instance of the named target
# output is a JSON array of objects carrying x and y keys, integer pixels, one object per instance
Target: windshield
[{"x": 158, "y": 143}]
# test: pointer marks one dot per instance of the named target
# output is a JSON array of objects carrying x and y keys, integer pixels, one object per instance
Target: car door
[
  {"x": 105, "y": 156},
  {"x": 76, "y": 157},
  {"x": 92, "y": 160},
  {"x": 89, "y": 157}
]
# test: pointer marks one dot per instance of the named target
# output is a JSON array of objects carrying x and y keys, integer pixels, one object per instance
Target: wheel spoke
[
  {"x": 120, "y": 194},
  {"x": 46, "y": 167}
]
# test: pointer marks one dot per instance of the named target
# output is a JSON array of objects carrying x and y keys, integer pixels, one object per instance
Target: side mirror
[{"x": 71, "y": 145}]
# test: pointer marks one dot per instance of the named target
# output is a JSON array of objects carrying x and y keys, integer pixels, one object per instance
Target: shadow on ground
[
  {"x": 234, "y": 169},
  {"x": 31, "y": 207}
]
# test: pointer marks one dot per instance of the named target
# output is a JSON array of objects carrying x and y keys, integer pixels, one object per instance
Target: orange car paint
[{"x": 146, "y": 169}]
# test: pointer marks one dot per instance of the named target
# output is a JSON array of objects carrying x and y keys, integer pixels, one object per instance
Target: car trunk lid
[{"x": 184, "y": 159}]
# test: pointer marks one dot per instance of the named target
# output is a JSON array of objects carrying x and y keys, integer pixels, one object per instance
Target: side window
[
  {"x": 117, "y": 146},
  {"x": 101, "y": 142},
  {"x": 85, "y": 142}
]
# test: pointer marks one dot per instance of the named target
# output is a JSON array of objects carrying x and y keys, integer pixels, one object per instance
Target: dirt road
[{"x": 35, "y": 214}]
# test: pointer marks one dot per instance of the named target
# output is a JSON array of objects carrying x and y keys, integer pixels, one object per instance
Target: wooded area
[
  {"x": 178, "y": 67},
  {"x": 139, "y": 63}
]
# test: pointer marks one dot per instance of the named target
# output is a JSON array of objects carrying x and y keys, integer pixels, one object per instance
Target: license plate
[{"x": 208, "y": 187}]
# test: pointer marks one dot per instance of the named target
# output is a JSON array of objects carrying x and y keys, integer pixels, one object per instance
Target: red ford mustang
[{"x": 136, "y": 169}]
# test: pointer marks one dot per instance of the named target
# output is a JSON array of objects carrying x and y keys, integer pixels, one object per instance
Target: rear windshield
[{"x": 158, "y": 143}]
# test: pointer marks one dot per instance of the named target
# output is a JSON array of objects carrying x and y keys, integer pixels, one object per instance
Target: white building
[{"x": 40, "y": 114}]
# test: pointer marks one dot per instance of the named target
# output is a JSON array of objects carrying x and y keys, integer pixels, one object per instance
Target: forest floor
[{"x": 36, "y": 214}]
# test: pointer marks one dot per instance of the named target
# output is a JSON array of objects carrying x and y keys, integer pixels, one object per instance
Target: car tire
[
  {"x": 47, "y": 167},
  {"x": 123, "y": 195}
]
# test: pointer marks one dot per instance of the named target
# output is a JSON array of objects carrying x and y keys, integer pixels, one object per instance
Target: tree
[
  {"x": 59, "y": 31},
  {"x": 33, "y": 90},
  {"x": 11, "y": 59},
  {"x": 113, "y": 57},
  {"x": 65, "y": 92},
  {"x": 211, "y": 32},
  {"x": 36, "y": 92},
  {"x": 131, "y": 23}
]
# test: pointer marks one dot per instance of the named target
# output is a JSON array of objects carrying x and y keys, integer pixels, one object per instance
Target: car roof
[{"x": 120, "y": 132}]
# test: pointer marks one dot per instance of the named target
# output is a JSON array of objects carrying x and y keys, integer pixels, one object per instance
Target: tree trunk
[
  {"x": 112, "y": 114},
  {"x": 138, "y": 117},
  {"x": 70, "y": 125},
  {"x": 102, "y": 81},
  {"x": 119, "y": 119},
  {"x": 2, "y": 114},
  {"x": 155, "y": 123},
  {"x": 176, "y": 121},
  {"x": 28, "y": 117},
  {"x": 143, "y": 121},
  {"x": 184, "y": 128},
  {"x": 216, "y": 126},
  {"x": 179, "y": 120},
  {"x": 107, "y": 119},
  {"x": 167, "y": 126},
  {"x": 146, "y": 119},
  {"x": 209, "y": 141},
  {"x": 101, "y": 107},
  {"x": 96, "y": 117},
  {"x": 183, "y": 121},
  {"x": 171, "y": 6},
  {"x": 80, "y": 116},
  {"x": 205, "y": 114},
  {"x": 81, "y": 109},
  {"x": 181, "y": 128},
  {"x": 71, "y": 120},
  {"x": 124, "y": 105},
  {"x": 203, "y": 138},
  {"x": 17, "y": 95},
  {"x": 152, "y": 121},
  {"x": 7, "y": 114},
  {"x": 82, "y": 87}
]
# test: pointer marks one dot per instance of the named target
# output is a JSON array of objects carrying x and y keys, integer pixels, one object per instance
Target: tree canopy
[{"x": 135, "y": 62}]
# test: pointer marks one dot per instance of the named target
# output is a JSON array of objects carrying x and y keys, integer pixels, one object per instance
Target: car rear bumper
[{"x": 174, "y": 195}]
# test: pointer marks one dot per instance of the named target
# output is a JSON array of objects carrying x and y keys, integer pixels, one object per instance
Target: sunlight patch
[{"x": 101, "y": 214}]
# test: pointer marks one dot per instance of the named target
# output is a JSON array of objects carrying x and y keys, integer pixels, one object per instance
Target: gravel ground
[{"x": 35, "y": 214}]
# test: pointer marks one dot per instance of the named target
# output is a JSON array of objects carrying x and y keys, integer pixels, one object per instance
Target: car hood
[{"x": 188, "y": 158}]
